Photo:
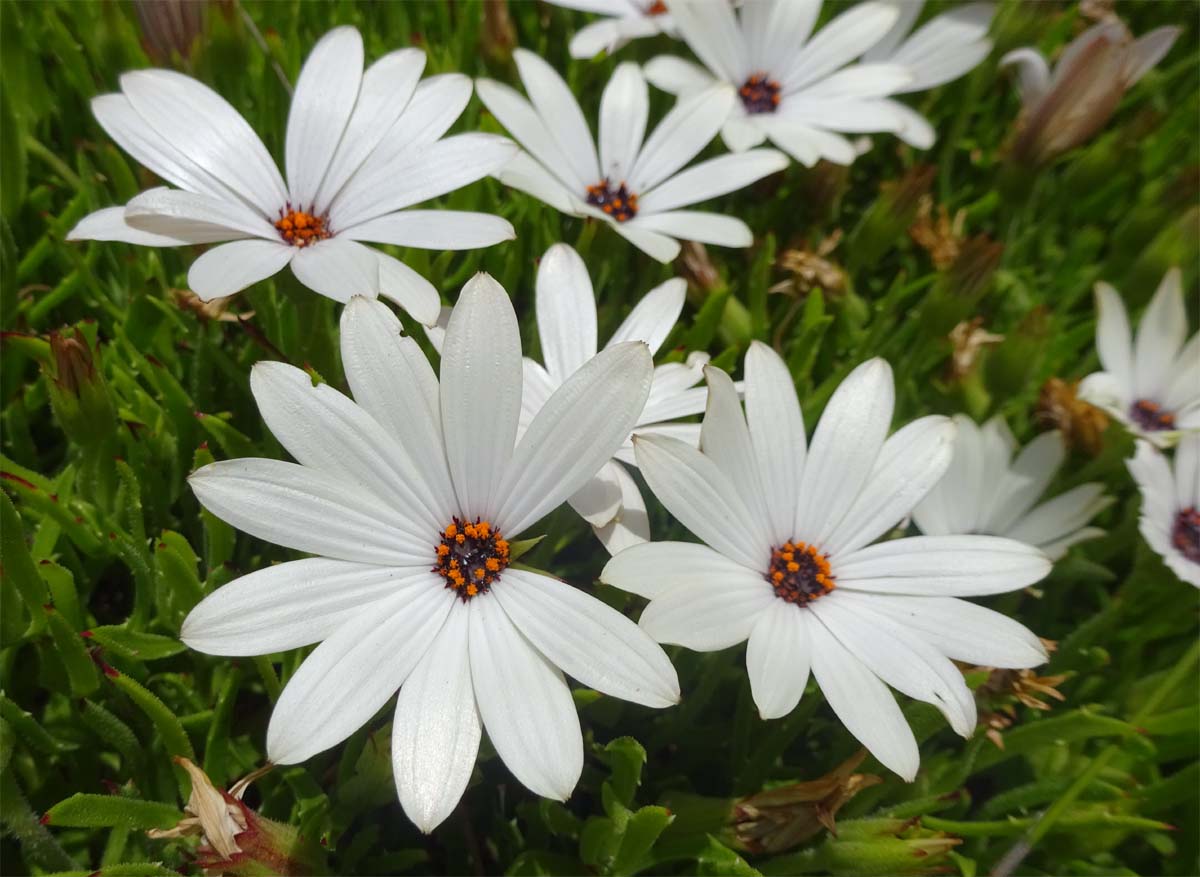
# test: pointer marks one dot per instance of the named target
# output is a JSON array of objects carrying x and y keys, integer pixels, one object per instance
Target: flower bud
[
  {"x": 886, "y": 846},
  {"x": 170, "y": 27},
  {"x": 78, "y": 392},
  {"x": 886, "y": 220}
]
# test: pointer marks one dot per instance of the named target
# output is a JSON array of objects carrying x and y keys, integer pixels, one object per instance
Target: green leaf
[
  {"x": 109, "y": 811},
  {"x": 625, "y": 757},
  {"x": 19, "y": 569},
  {"x": 81, "y": 670},
  {"x": 134, "y": 645}
]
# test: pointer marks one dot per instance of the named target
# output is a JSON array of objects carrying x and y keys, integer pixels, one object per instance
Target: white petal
[
  {"x": 942, "y": 566},
  {"x": 1148, "y": 50},
  {"x": 524, "y": 174},
  {"x": 653, "y": 318},
  {"x": 1030, "y": 474},
  {"x": 1187, "y": 472},
  {"x": 435, "y": 737},
  {"x": 651, "y": 569},
  {"x": 742, "y": 134},
  {"x": 1062, "y": 515},
  {"x": 566, "y": 312},
  {"x": 481, "y": 395},
  {"x": 108, "y": 224},
  {"x": 602, "y": 35},
  {"x": 624, "y": 107},
  {"x": 693, "y": 225},
  {"x": 707, "y": 617},
  {"x": 837, "y": 43},
  {"x": 808, "y": 144},
  {"x": 338, "y": 268},
  {"x": 1113, "y": 338},
  {"x": 289, "y": 605},
  {"x": 525, "y": 704},
  {"x": 864, "y": 704},
  {"x": 232, "y": 267},
  {"x": 522, "y": 121},
  {"x": 711, "y": 31},
  {"x": 197, "y": 218},
  {"x": 1160, "y": 336},
  {"x": 655, "y": 245},
  {"x": 1152, "y": 473},
  {"x": 909, "y": 464},
  {"x": 689, "y": 126},
  {"x": 558, "y": 108},
  {"x": 725, "y": 440},
  {"x": 676, "y": 76},
  {"x": 578, "y": 429},
  {"x": 778, "y": 659},
  {"x": 407, "y": 288},
  {"x": 588, "y": 639},
  {"x": 860, "y": 81},
  {"x": 1033, "y": 73},
  {"x": 848, "y": 115},
  {"x": 891, "y": 42},
  {"x": 183, "y": 110},
  {"x": 434, "y": 230},
  {"x": 902, "y": 660},
  {"x": 436, "y": 104},
  {"x": 631, "y": 525},
  {"x": 599, "y": 500},
  {"x": 1058, "y": 548},
  {"x": 947, "y": 46},
  {"x": 844, "y": 448},
  {"x": 326, "y": 91},
  {"x": 915, "y": 129},
  {"x": 307, "y": 510},
  {"x": 353, "y": 673},
  {"x": 536, "y": 389},
  {"x": 775, "y": 31},
  {"x": 702, "y": 498},
  {"x": 711, "y": 178},
  {"x": 1182, "y": 389},
  {"x": 777, "y": 431}
]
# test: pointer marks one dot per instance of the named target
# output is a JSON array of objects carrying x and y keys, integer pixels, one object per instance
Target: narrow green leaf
[{"x": 109, "y": 811}]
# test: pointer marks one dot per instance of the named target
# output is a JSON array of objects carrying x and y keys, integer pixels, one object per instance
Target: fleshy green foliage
[{"x": 104, "y": 549}]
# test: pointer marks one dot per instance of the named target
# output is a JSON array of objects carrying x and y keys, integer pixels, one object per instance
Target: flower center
[
  {"x": 470, "y": 557},
  {"x": 759, "y": 94},
  {"x": 658, "y": 7},
  {"x": 799, "y": 573},
  {"x": 1185, "y": 535},
  {"x": 1149, "y": 415},
  {"x": 300, "y": 229},
  {"x": 619, "y": 203}
]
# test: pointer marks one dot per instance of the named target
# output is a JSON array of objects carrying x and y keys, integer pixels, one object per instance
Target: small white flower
[
  {"x": 623, "y": 20},
  {"x": 940, "y": 51},
  {"x": 788, "y": 563},
  {"x": 637, "y": 187},
  {"x": 1150, "y": 383},
  {"x": 987, "y": 491},
  {"x": 802, "y": 93},
  {"x": 1170, "y": 519},
  {"x": 409, "y": 496},
  {"x": 360, "y": 148},
  {"x": 566, "y": 320}
]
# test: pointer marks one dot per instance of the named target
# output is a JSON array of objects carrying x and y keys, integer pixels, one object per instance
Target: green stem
[{"x": 60, "y": 167}]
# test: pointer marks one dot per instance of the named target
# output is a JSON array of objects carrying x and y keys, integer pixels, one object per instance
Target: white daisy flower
[
  {"x": 801, "y": 93},
  {"x": 1170, "y": 519},
  {"x": 1150, "y": 383},
  {"x": 622, "y": 21},
  {"x": 409, "y": 497},
  {"x": 988, "y": 491},
  {"x": 361, "y": 147},
  {"x": 566, "y": 320},
  {"x": 788, "y": 563},
  {"x": 940, "y": 51},
  {"x": 637, "y": 187}
]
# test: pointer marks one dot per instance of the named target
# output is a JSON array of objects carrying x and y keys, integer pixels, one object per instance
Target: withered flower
[
  {"x": 1082, "y": 424},
  {"x": 1003, "y": 690},
  {"x": 938, "y": 235},
  {"x": 695, "y": 266},
  {"x": 213, "y": 309},
  {"x": 811, "y": 269},
  {"x": 968, "y": 339}
]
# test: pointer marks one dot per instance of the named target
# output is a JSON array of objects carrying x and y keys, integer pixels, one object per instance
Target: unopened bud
[
  {"x": 78, "y": 392},
  {"x": 885, "y": 221}
]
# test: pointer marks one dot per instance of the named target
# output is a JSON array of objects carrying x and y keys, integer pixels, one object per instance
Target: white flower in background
[
  {"x": 360, "y": 148},
  {"x": 410, "y": 496},
  {"x": 566, "y": 320},
  {"x": 788, "y": 563},
  {"x": 1170, "y": 519},
  {"x": 940, "y": 51},
  {"x": 988, "y": 491},
  {"x": 799, "y": 90},
  {"x": 1061, "y": 110},
  {"x": 623, "y": 20},
  {"x": 635, "y": 183},
  {"x": 1150, "y": 383}
]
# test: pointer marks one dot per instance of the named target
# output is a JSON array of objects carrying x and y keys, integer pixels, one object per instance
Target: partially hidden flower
[
  {"x": 360, "y": 148},
  {"x": 566, "y": 320},
  {"x": 1064, "y": 108},
  {"x": 410, "y": 496},
  {"x": 939, "y": 51},
  {"x": 635, "y": 182},
  {"x": 799, "y": 90},
  {"x": 1170, "y": 518},
  {"x": 992, "y": 489},
  {"x": 1149, "y": 382},
  {"x": 620, "y": 22},
  {"x": 788, "y": 565}
]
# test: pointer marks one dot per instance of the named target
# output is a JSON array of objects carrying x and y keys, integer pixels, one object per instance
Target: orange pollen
[
  {"x": 799, "y": 573},
  {"x": 759, "y": 94},
  {"x": 658, "y": 7},
  {"x": 470, "y": 556},
  {"x": 300, "y": 229},
  {"x": 1151, "y": 416},
  {"x": 619, "y": 202}
]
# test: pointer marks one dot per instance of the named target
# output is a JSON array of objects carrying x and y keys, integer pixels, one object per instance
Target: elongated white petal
[
  {"x": 861, "y": 81},
  {"x": 108, "y": 224},
  {"x": 694, "y": 225},
  {"x": 436, "y": 104},
  {"x": 711, "y": 31},
  {"x": 775, "y": 31},
  {"x": 587, "y": 639},
  {"x": 525, "y": 704},
  {"x": 1033, "y": 73},
  {"x": 702, "y": 498},
  {"x": 711, "y": 178},
  {"x": 407, "y": 288},
  {"x": 307, "y": 510},
  {"x": 434, "y": 230},
  {"x": 942, "y": 566},
  {"x": 676, "y": 76},
  {"x": 863, "y": 703},
  {"x": 1160, "y": 336},
  {"x": 778, "y": 659},
  {"x": 578, "y": 429},
  {"x": 654, "y": 568},
  {"x": 1187, "y": 472},
  {"x": 1114, "y": 341},
  {"x": 1062, "y": 515},
  {"x": 599, "y": 500},
  {"x": 725, "y": 440},
  {"x": 689, "y": 126},
  {"x": 566, "y": 312},
  {"x": 338, "y": 268},
  {"x": 481, "y": 395},
  {"x": 839, "y": 42},
  {"x": 182, "y": 110},
  {"x": 522, "y": 121},
  {"x": 706, "y": 617},
  {"x": 353, "y": 673},
  {"x": 807, "y": 143},
  {"x": 435, "y": 737},
  {"x": 1030, "y": 475},
  {"x": 536, "y": 387},
  {"x": 848, "y": 115},
  {"x": 232, "y": 267},
  {"x": 1148, "y": 50},
  {"x": 525, "y": 174},
  {"x": 947, "y": 46},
  {"x": 845, "y": 446},
  {"x": 325, "y": 95},
  {"x": 915, "y": 129},
  {"x": 624, "y": 108},
  {"x": 1152, "y": 473},
  {"x": 652, "y": 243},
  {"x": 777, "y": 430},
  {"x": 290, "y": 605},
  {"x": 740, "y": 134},
  {"x": 195, "y": 217},
  {"x": 1182, "y": 391},
  {"x": 631, "y": 525},
  {"x": 553, "y": 101},
  {"x": 654, "y": 316}
]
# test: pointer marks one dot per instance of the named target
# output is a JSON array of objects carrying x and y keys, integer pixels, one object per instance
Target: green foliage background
[{"x": 105, "y": 549}]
